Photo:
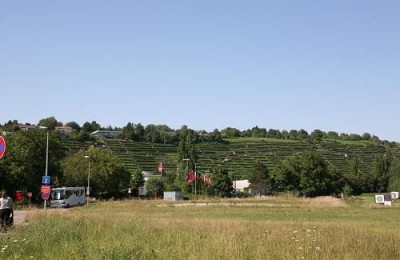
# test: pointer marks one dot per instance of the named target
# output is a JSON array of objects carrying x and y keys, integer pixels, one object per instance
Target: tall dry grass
[{"x": 266, "y": 228}]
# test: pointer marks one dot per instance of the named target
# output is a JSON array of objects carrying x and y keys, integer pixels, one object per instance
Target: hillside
[{"x": 239, "y": 155}]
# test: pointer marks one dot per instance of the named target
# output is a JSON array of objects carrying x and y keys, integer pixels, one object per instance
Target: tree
[
  {"x": 90, "y": 127},
  {"x": 187, "y": 157},
  {"x": 139, "y": 132},
  {"x": 24, "y": 164},
  {"x": 316, "y": 136},
  {"x": 274, "y": 133},
  {"x": 293, "y": 134},
  {"x": 366, "y": 136},
  {"x": 258, "y": 132},
  {"x": 394, "y": 175},
  {"x": 108, "y": 177},
  {"x": 222, "y": 184},
  {"x": 381, "y": 172},
  {"x": 230, "y": 132},
  {"x": 128, "y": 132},
  {"x": 302, "y": 135},
  {"x": 50, "y": 123},
  {"x": 137, "y": 181},
  {"x": 74, "y": 125},
  {"x": 308, "y": 175},
  {"x": 216, "y": 136},
  {"x": 332, "y": 135},
  {"x": 260, "y": 180},
  {"x": 155, "y": 187},
  {"x": 186, "y": 147},
  {"x": 354, "y": 179},
  {"x": 152, "y": 134}
]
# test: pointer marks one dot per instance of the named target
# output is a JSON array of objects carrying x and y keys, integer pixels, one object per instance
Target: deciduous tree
[
  {"x": 108, "y": 177},
  {"x": 222, "y": 184}
]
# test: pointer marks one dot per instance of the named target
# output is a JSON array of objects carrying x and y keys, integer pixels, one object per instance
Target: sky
[{"x": 206, "y": 64}]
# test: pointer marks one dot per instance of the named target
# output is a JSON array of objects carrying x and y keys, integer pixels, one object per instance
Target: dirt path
[{"x": 20, "y": 216}]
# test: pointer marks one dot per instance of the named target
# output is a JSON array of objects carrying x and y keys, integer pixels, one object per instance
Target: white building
[{"x": 241, "y": 185}]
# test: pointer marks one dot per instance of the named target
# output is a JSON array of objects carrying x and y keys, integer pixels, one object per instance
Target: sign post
[
  {"x": 29, "y": 196},
  {"x": 2, "y": 146},
  {"x": 45, "y": 189},
  {"x": 46, "y": 179}
]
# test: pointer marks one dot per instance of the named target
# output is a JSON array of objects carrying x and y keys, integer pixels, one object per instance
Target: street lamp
[
  {"x": 187, "y": 163},
  {"x": 47, "y": 158},
  {"x": 88, "y": 182},
  {"x": 195, "y": 178}
]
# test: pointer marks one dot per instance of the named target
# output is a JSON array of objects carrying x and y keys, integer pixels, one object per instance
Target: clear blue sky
[{"x": 328, "y": 65}]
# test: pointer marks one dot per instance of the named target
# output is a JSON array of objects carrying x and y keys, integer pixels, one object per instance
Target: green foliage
[
  {"x": 137, "y": 181},
  {"x": 260, "y": 179},
  {"x": 347, "y": 190},
  {"x": 381, "y": 172},
  {"x": 74, "y": 125},
  {"x": 230, "y": 132},
  {"x": 90, "y": 127},
  {"x": 394, "y": 175},
  {"x": 50, "y": 123},
  {"x": 24, "y": 163},
  {"x": 155, "y": 187},
  {"x": 187, "y": 156},
  {"x": 308, "y": 175},
  {"x": 222, "y": 184},
  {"x": 264, "y": 228},
  {"x": 316, "y": 136},
  {"x": 108, "y": 177}
]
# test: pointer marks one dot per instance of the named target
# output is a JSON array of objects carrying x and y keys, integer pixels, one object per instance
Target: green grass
[{"x": 265, "y": 228}]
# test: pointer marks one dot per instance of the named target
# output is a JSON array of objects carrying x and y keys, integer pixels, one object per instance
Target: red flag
[
  {"x": 190, "y": 176},
  {"x": 160, "y": 167}
]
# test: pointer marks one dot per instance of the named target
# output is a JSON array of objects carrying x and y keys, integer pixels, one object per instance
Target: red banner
[{"x": 160, "y": 167}]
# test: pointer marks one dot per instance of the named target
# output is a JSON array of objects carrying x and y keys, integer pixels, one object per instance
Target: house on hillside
[
  {"x": 148, "y": 175},
  {"x": 26, "y": 127},
  {"x": 106, "y": 134},
  {"x": 64, "y": 130}
]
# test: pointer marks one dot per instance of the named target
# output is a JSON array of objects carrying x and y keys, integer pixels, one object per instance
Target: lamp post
[
  {"x": 47, "y": 158},
  {"x": 187, "y": 165},
  {"x": 88, "y": 182},
  {"x": 187, "y": 162},
  {"x": 195, "y": 178}
]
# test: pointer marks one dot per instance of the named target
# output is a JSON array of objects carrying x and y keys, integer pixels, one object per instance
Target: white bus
[{"x": 66, "y": 197}]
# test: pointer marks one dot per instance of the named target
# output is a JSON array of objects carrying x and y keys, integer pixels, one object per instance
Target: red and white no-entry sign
[{"x": 2, "y": 146}]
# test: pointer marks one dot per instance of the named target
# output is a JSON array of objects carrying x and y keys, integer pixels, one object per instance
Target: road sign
[
  {"x": 380, "y": 199},
  {"x": 2, "y": 146},
  {"x": 45, "y": 189},
  {"x": 45, "y": 195},
  {"x": 45, "y": 179}
]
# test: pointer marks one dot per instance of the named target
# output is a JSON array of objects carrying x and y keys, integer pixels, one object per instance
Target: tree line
[
  {"x": 302, "y": 174},
  {"x": 164, "y": 134}
]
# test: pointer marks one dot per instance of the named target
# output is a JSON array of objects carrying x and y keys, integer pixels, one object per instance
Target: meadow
[{"x": 281, "y": 227}]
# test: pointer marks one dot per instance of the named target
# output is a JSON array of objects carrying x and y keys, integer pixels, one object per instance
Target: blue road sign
[{"x": 45, "y": 179}]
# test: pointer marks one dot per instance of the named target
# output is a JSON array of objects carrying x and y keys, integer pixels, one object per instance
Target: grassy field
[{"x": 263, "y": 228}]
